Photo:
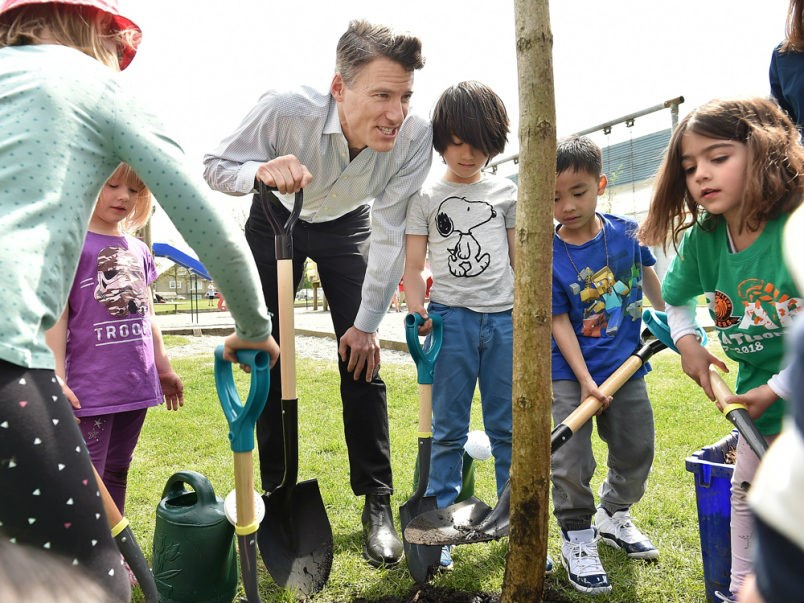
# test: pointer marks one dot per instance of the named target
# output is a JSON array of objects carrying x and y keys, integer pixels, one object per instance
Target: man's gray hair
[{"x": 363, "y": 42}]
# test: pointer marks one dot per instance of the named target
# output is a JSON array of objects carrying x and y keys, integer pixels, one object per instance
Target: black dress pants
[{"x": 340, "y": 249}]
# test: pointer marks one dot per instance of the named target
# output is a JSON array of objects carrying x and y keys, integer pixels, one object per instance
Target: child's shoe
[
  {"x": 725, "y": 597},
  {"x": 549, "y": 566},
  {"x": 619, "y": 531},
  {"x": 580, "y": 558},
  {"x": 445, "y": 563}
]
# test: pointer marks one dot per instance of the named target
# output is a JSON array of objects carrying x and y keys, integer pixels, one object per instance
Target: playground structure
[{"x": 193, "y": 266}]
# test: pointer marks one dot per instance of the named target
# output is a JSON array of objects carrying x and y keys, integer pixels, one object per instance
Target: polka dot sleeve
[{"x": 207, "y": 227}]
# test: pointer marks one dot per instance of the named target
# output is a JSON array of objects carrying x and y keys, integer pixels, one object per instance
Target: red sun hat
[{"x": 110, "y": 7}]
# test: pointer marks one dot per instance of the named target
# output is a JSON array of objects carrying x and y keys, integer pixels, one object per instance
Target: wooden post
[{"x": 532, "y": 400}]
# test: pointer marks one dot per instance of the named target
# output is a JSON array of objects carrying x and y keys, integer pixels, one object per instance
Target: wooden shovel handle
[
  {"x": 244, "y": 491},
  {"x": 719, "y": 386},
  {"x": 425, "y": 410},
  {"x": 589, "y": 407},
  {"x": 287, "y": 335}
]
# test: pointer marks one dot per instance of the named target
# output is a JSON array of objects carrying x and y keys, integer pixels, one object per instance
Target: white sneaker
[
  {"x": 619, "y": 531},
  {"x": 580, "y": 558}
]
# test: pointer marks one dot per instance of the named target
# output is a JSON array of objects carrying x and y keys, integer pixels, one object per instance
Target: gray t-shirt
[{"x": 466, "y": 227}]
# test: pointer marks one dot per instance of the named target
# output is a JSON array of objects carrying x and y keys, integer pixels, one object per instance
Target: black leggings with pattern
[{"x": 49, "y": 499}]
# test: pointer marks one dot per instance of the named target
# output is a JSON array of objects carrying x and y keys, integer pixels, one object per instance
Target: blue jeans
[{"x": 476, "y": 347}]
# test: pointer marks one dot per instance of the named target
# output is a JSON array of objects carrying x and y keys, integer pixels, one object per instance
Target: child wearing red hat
[{"x": 67, "y": 123}]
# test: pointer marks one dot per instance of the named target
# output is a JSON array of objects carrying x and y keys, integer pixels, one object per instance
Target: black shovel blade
[
  {"x": 422, "y": 559},
  {"x": 450, "y": 525},
  {"x": 295, "y": 538}
]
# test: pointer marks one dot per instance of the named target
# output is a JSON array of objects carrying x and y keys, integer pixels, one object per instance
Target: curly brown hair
[{"x": 774, "y": 183}]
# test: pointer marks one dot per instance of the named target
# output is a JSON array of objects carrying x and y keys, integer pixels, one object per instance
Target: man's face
[{"x": 373, "y": 107}]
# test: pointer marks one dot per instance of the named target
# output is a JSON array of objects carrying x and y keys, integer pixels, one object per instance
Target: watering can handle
[
  {"x": 242, "y": 416},
  {"x": 174, "y": 488},
  {"x": 424, "y": 359}
]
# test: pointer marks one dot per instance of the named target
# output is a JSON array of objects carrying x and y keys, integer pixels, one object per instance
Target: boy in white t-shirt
[{"x": 466, "y": 222}]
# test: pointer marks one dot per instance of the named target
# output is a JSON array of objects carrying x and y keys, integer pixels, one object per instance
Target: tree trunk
[{"x": 532, "y": 400}]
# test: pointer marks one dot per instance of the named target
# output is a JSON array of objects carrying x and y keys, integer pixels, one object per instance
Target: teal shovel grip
[
  {"x": 424, "y": 359},
  {"x": 242, "y": 417},
  {"x": 656, "y": 321}
]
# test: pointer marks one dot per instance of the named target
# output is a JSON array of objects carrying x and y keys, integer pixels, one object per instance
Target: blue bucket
[{"x": 713, "y": 496}]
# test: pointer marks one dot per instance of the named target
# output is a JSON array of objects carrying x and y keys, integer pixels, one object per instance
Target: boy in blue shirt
[{"x": 599, "y": 275}]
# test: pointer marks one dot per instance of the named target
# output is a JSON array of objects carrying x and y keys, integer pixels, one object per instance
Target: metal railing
[{"x": 628, "y": 120}]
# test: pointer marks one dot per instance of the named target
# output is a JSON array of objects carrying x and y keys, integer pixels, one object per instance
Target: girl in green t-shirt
[{"x": 728, "y": 183}]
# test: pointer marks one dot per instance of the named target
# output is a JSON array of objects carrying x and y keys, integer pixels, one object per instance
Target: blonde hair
[
  {"x": 774, "y": 175},
  {"x": 81, "y": 27},
  {"x": 141, "y": 211}
]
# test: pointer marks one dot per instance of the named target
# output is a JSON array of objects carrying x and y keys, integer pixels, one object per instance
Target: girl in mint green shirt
[
  {"x": 729, "y": 181},
  {"x": 66, "y": 122}
]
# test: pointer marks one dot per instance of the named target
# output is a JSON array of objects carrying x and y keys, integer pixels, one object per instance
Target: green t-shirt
[{"x": 751, "y": 296}]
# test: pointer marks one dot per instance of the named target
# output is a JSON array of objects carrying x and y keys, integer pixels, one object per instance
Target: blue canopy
[{"x": 182, "y": 259}]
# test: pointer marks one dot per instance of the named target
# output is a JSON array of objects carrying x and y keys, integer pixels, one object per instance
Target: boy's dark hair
[
  {"x": 579, "y": 154},
  {"x": 363, "y": 42},
  {"x": 472, "y": 112}
]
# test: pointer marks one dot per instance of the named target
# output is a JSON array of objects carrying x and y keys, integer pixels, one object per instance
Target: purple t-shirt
[{"x": 110, "y": 352}]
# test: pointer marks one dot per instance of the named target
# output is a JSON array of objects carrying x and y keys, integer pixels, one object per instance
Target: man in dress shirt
[{"x": 359, "y": 157}]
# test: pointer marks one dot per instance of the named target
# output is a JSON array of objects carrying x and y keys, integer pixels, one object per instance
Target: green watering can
[{"x": 194, "y": 559}]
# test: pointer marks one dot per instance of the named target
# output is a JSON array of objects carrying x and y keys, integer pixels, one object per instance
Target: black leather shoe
[{"x": 381, "y": 545}]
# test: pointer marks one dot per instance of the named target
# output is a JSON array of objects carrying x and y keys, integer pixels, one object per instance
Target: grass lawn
[{"x": 196, "y": 438}]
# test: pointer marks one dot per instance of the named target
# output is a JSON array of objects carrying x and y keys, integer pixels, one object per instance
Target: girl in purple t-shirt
[{"x": 109, "y": 353}]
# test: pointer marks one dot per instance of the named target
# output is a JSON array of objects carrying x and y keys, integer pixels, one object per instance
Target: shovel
[
  {"x": 736, "y": 413},
  {"x": 295, "y": 538},
  {"x": 473, "y": 520},
  {"x": 422, "y": 559},
  {"x": 124, "y": 537},
  {"x": 245, "y": 509}
]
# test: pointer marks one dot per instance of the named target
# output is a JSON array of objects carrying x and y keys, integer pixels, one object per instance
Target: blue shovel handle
[
  {"x": 424, "y": 359},
  {"x": 656, "y": 321},
  {"x": 242, "y": 417}
]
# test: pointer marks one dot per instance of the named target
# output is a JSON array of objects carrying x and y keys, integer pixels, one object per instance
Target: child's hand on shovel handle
[
  {"x": 695, "y": 361},
  {"x": 427, "y": 326},
  {"x": 233, "y": 343},
  {"x": 756, "y": 401},
  {"x": 590, "y": 389}
]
